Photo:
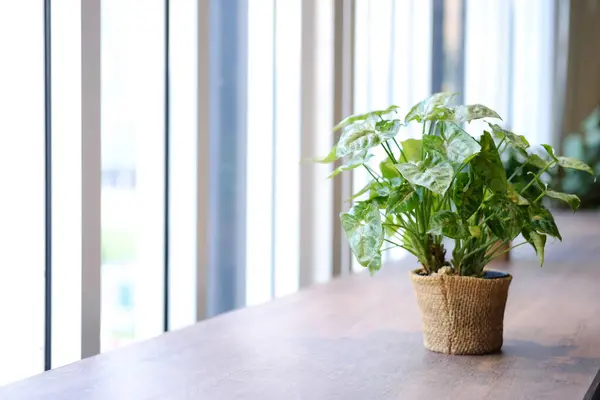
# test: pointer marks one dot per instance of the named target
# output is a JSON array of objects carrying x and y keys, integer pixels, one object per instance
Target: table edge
[{"x": 593, "y": 392}]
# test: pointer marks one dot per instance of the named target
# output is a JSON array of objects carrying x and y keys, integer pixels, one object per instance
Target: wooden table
[{"x": 359, "y": 338}]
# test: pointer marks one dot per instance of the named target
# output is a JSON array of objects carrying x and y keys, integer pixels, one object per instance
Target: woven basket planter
[{"x": 461, "y": 314}]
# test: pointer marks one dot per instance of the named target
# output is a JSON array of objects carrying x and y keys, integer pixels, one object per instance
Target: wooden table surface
[{"x": 359, "y": 338}]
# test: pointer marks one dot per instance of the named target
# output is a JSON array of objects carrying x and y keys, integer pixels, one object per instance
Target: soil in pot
[{"x": 462, "y": 314}]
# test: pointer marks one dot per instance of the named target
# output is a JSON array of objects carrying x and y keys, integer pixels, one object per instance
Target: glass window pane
[
  {"x": 66, "y": 182},
  {"x": 133, "y": 120},
  {"x": 287, "y": 146},
  {"x": 183, "y": 194},
  {"x": 453, "y": 47},
  {"x": 22, "y": 202},
  {"x": 259, "y": 163}
]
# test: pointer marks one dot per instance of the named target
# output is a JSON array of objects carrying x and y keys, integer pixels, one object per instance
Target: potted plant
[{"x": 451, "y": 187}]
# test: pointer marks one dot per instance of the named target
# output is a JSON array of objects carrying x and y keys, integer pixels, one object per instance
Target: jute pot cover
[{"x": 461, "y": 314}]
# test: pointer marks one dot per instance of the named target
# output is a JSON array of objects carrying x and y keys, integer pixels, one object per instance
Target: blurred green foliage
[
  {"x": 585, "y": 146},
  {"x": 118, "y": 246}
]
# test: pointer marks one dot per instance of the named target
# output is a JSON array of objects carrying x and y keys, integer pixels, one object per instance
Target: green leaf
[
  {"x": 364, "y": 231},
  {"x": 504, "y": 218},
  {"x": 550, "y": 151},
  {"x": 475, "y": 231},
  {"x": 342, "y": 168},
  {"x": 388, "y": 169},
  {"x": 366, "y": 116},
  {"x": 388, "y": 129},
  {"x": 487, "y": 165},
  {"x": 364, "y": 190},
  {"x": 379, "y": 195},
  {"x": 460, "y": 146},
  {"x": 536, "y": 161},
  {"x": 542, "y": 220},
  {"x": 381, "y": 191},
  {"x": 537, "y": 240},
  {"x": 402, "y": 199},
  {"x": 467, "y": 195},
  {"x": 433, "y": 107},
  {"x": 356, "y": 161},
  {"x": 515, "y": 197},
  {"x": 572, "y": 163},
  {"x": 375, "y": 264},
  {"x": 412, "y": 149},
  {"x": 475, "y": 111},
  {"x": 434, "y": 145},
  {"x": 390, "y": 227},
  {"x": 449, "y": 224},
  {"x": 571, "y": 199},
  {"x": 437, "y": 178},
  {"x": 331, "y": 157},
  {"x": 357, "y": 137},
  {"x": 518, "y": 141}
]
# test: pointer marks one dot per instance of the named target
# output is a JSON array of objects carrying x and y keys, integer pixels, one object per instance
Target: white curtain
[
  {"x": 510, "y": 63},
  {"x": 392, "y": 64}
]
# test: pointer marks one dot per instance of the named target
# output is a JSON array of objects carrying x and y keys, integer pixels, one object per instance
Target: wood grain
[{"x": 359, "y": 338}]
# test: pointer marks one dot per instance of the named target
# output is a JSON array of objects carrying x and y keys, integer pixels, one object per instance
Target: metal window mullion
[
  {"x": 48, "y": 184},
  {"x": 437, "y": 46},
  {"x": 90, "y": 176},
  {"x": 242, "y": 152},
  {"x": 203, "y": 158},
  {"x": 343, "y": 72},
  {"x": 308, "y": 177},
  {"x": 166, "y": 281},
  {"x": 226, "y": 131},
  {"x": 461, "y": 51},
  {"x": 274, "y": 153},
  {"x": 560, "y": 73}
]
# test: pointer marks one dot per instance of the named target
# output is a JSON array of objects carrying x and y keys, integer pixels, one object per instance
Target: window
[
  {"x": 158, "y": 169},
  {"x": 22, "y": 173},
  {"x": 183, "y": 192},
  {"x": 511, "y": 68},
  {"x": 273, "y": 174},
  {"x": 66, "y": 181},
  {"x": 133, "y": 170},
  {"x": 393, "y": 64}
]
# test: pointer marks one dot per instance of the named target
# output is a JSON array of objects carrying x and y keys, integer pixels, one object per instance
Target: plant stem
[
  {"x": 423, "y": 210},
  {"x": 431, "y": 127},
  {"x": 496, "y": 254},
  {"x": 411, "y": 251},
  {"x": 400, "y": 149},
  {"x": 446, "y": 195},
  {"x": 372, "y": 174},
  {"x": 423, "y": 134},
  {"x": 538, "y": 175},
  {"x": 515, "y": 173},
  {"x": 500, "y": 145},
  {"x": 411, "y": 231},
  {"x": 388, "y": 248},
  {"x": 389, "y": 152},
  {"x": 486, "y": 245},
  {"x": 539, "y": 197}
]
